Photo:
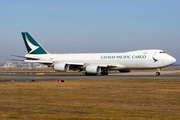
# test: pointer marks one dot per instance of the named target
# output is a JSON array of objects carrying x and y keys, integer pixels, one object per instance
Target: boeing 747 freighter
[{"x": 94, "y": 63}]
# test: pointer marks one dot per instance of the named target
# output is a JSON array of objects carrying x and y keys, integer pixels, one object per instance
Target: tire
[
  {"x": 158, "y": 73},
  {"x": 104, "y": 72}
]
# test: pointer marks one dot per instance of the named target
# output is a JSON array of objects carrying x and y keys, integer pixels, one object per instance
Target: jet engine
[
  {"x": 93, "y": 69},
  {"x": 62, "y": 67}
]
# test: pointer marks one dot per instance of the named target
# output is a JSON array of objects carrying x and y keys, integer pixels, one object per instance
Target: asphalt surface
[{"x": 5, "y": 77}]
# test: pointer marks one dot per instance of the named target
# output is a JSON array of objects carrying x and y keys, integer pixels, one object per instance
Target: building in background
[{"x": 21, "y": 65}]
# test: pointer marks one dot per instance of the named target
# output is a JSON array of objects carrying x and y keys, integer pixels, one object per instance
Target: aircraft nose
[
  {"x": 169, "y": 60},
  {"x": 173, "y": 60}
]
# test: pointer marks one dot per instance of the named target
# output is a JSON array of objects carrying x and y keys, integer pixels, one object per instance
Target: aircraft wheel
[
  {"x": 86, "y": 73},
  {"x": 158, "y": 73},
  {"x": 104, "y": 72}
]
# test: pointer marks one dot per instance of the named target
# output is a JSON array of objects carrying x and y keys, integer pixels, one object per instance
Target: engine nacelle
[
  {"x": 62, "y": 67},
  {"x": 125, "y": 70},
  {"x": 93, "y": 69}
]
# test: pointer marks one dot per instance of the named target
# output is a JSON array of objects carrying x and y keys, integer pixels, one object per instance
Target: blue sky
[{"x": 93, "y": 26}]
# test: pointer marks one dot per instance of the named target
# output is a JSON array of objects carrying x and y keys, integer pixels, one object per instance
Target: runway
[{"x": 29, "y": 77}]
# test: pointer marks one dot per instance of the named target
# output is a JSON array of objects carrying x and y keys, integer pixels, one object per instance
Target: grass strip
[{"x": 127, "y": 98}]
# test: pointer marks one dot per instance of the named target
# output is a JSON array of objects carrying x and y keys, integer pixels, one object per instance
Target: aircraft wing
[
  {"x": 36, "y": 60},
  {"x": 15, "y": 59},
  {"x": 51, "y": 61},
  {"x": 75, "y": 63}
]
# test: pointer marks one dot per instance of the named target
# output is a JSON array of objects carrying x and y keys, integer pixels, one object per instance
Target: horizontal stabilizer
[
  {"x": 15, "y": 59},
  {"x": 18, "y": 56},
  {"x": 30, "y": 58}
]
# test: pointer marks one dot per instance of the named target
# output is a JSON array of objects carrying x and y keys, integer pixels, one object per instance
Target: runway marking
[{"x": 39, "y": 73}]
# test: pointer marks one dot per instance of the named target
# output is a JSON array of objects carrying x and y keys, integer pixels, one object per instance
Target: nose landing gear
[{"x": 158, "y": 72}]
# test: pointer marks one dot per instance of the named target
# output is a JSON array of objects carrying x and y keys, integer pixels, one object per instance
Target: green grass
[{"x": 91, "y": 99}]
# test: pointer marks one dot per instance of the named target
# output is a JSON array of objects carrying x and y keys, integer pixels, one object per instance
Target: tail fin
[{"x": 33, "y": 47}]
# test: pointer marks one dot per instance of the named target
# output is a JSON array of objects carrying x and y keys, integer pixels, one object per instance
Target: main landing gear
[
  {"x": 89, "y": 74},
  {"x": 158, "y": 72},
  {"x": 104, "y": 72}
]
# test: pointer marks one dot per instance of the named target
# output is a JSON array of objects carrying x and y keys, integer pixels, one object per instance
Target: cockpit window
[{"x": 162, "y": 52}]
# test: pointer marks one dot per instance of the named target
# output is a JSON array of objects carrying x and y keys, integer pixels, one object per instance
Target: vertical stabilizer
[{"x": 33, "y": 47}]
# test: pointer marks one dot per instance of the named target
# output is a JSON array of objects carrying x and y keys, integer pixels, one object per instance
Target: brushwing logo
[
  {"x": 155, "y": 60},
  {"x": 33, "y": 47}
]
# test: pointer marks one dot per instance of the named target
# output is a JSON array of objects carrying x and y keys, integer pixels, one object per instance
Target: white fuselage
[{"x": 141, "y": 59}]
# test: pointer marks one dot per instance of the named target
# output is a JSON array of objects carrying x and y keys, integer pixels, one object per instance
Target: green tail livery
[{"x": 33, "y": 47}]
